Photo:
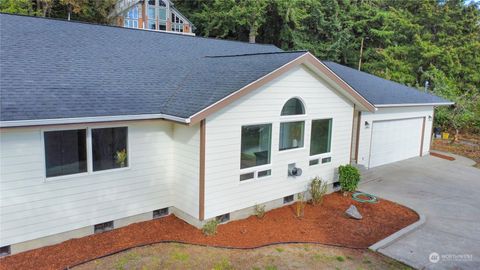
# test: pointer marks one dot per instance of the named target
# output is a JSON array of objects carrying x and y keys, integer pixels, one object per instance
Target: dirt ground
[
  {"x": 467, "y": 145},
  {"x": 285, "y": 256}
]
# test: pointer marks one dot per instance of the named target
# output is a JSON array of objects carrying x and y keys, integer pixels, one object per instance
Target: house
[
  {"x": 97, "y": 132},
  {"x": 157, "y": 15}
]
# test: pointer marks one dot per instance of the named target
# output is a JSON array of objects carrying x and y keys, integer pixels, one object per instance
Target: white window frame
[
  {"x": 44, "y": 155},
  {"x": 321, "y": 155},
  {"x": 89, "y": 152},
  {"x": 293, "y": 118},
  {"x": 257, "y": 168}
]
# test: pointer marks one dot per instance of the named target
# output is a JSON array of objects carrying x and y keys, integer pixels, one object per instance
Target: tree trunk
[
  {"x": 455, "y": 136},
  {"x": 361, "y": 55},
  {"x": 252, "y": 35}
]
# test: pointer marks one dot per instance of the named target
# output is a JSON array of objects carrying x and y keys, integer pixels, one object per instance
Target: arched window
[
  {"x": 291, "y": 133},
  {"x": 293, "y": 106}
]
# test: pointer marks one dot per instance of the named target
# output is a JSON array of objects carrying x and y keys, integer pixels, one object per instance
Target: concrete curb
[{"x": 393, "y": 237}]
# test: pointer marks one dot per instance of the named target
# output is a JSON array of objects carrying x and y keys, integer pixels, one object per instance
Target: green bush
[
  {"x": 317, "y": 189},
  {"x": 210, "y": 228},
  {"x": 349, "y": 177}
]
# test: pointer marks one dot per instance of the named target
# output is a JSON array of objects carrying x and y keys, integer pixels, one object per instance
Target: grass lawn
[
  {"x": 467, "y": 146},
  {"x": 285, "y": 256}
]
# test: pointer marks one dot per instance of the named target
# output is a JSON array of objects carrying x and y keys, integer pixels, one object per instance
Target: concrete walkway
[{"x": 448, "y": 194}]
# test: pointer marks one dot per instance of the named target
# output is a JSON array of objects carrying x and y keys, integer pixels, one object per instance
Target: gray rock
[{"x": 352, "y": 212}]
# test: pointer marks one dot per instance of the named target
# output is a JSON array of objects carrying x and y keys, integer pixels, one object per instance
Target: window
[
  {"x": 151, "y": 18},
  {"x": 326, "y": 160},
  {"x": 247, "y": 176},
  {"x": 65, "y": 152},
  {"x": 109, "y": 148},
  {"x": 177, "y": 23},
  {"x": 291, "y": 135},
  {"x": 255, "y": 146},
  {"x": 293, "y": 107},
  {"x": 264, "y": 173},
  {"x": 131, "y": 18},
  {"x": 313, "y": 162},
  {"x": 321, "y": 136}
]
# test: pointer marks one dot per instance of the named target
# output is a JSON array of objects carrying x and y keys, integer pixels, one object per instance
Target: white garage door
[{"x": 395, "y": 140}]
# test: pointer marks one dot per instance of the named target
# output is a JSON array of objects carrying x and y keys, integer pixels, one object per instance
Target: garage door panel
[{"x": 395, "y": 140}]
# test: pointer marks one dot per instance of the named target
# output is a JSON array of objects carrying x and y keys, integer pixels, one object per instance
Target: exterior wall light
[
  {"x": 367, "y": 125},
  {"x": 430, "y": 118}
]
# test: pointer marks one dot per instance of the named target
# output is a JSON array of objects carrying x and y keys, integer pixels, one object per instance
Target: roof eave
[
  {"x": 415, "y": 104},
  {"x": 95, "y": 119},
  {"x": 306, "y": 58}
]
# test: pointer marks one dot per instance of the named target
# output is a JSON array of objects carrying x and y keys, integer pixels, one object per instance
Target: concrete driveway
[{"x": 448, "y": 194}]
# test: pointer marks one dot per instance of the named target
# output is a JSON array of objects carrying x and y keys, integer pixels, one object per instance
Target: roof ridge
[
  {"x": 250, "y": 54},
  {"x": 135, "y": 29}
]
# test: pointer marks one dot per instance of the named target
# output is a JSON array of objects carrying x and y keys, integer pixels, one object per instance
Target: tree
[
  {"x": 74, "y": 6},
  {"x": 23, "y": 7},
  {"x": 224, "y": 18}
]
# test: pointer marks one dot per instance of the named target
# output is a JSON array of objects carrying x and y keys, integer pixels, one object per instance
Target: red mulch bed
[
  {"x": 325, "y": 224},
  {"x": 442, "y": 156}
]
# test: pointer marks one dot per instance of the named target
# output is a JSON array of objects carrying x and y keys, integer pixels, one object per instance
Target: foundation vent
[
  {"x": 5, "y": 251},
  {"x": 288, "y": 199},
  {"x": 160, "y": 213},
  {"x": 103, "y": 227},
  {"x": 223, "y": 218}
]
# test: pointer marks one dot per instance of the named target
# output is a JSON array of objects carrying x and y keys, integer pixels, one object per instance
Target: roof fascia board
[
  {"x": 96, "y": 119},
  {"x": 343, "y": 86},
  {"x": 306, "y": 58},
  {"x": 414, "y": 104}
]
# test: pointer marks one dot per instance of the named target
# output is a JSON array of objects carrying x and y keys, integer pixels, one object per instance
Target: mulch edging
[
  {"x": 442, "y": 156},
  {"x": 322, "y": 224}
]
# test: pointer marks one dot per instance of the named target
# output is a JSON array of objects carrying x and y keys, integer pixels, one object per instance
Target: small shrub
[
  {"x": 349, "y": 177},
  {"x": 210, "y": 228},
  {"x": 259, "y": 210},
  {"x": 340, "y": 258},
  {"x": 317, "y": 189},
  {"x": 300, "y": 205},
  {"x": 279, "y": 249}
]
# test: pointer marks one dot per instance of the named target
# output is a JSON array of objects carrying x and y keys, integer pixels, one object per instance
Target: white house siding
[
  {"x": 186, "y": 168},
  {"x": 223, "y": 191},
  {"x": 32, "y": 207},
  {"x": 391, "y": 114}
]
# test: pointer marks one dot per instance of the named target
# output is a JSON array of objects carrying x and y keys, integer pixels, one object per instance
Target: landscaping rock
[{"x": 352, "y": 212}]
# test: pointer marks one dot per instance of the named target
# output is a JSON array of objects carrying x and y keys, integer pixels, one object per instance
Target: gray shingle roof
[
  {"x": 52, "y": 69},
  {"x": 55, "y": 69},
  {"x": 379, "y": 91}
]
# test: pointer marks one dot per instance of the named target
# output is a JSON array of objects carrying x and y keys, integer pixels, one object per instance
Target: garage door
[{"x": 395, "y": 140}]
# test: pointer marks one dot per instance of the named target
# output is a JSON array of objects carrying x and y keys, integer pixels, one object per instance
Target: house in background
[
  {"x": 160, "y": 15},
  {"x": 95, "y": 137}
]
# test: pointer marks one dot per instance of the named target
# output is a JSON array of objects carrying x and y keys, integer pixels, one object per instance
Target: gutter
[
  {"x": 95, "y": 119},
  {"x": 414, "y": 104}
]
